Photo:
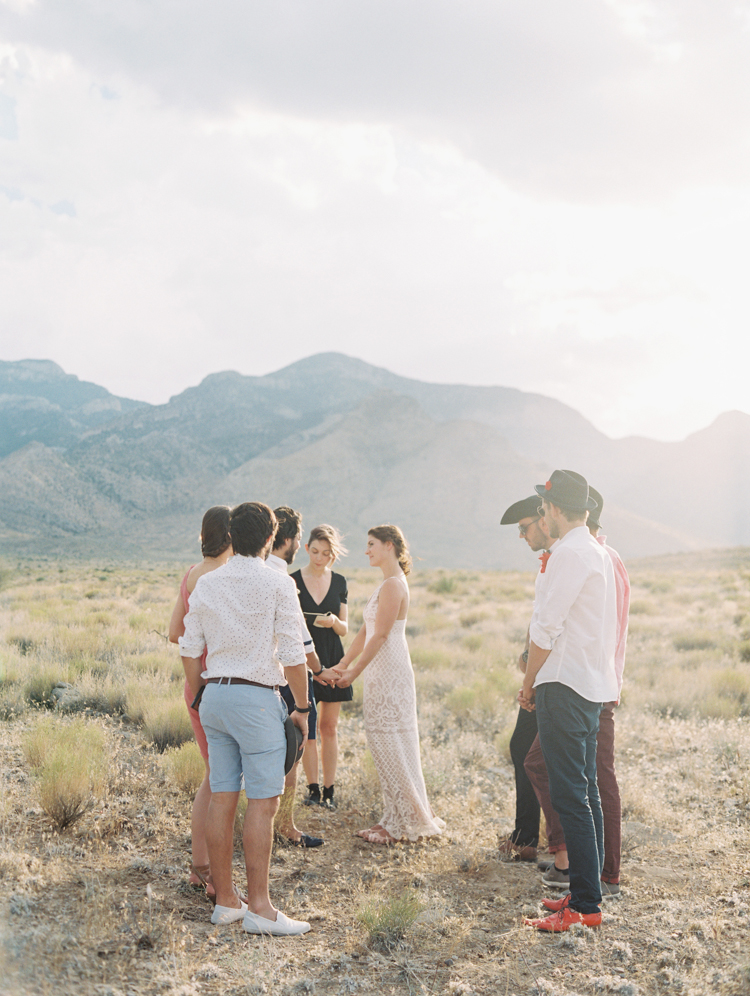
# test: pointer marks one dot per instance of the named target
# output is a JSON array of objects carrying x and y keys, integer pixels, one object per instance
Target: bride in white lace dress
[{"x": 390, "y": 698}]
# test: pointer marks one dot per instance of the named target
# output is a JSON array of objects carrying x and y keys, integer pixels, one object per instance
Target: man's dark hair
[
  {"x": 250, "y": 525},
  {"x": 290, "y": 523}
]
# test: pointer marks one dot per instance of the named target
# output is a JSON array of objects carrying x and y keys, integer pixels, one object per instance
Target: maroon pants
[{"x": 608, "y": 790}]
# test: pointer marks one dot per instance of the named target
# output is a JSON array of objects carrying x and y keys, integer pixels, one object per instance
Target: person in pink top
[
  {"x": 216, "y": 547},
  {"x": 557, "y": 875}
]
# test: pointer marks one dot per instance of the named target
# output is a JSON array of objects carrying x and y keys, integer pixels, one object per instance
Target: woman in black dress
[{"x": 323, "y": 597}]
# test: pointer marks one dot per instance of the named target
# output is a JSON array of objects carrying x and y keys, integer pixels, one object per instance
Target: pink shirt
[{"x": 622, "y": 591}]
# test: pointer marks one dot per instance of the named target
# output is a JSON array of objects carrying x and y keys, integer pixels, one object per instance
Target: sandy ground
[{"x": 77, "y": 917}]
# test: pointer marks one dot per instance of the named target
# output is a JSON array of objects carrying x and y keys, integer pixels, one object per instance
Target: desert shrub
[
  {"x": 516, "y": 593},
  {"x": 387, "y": 921},
  {"x": 167, "y": 724},
  {"x": 39, "y": 683},
  {"x": 744, "y": 651},
  {"x": 472, "y": 618},
  {"x": 140, "y": 621},
  {"x": 12, "y": 700},
  {"x": 436, "y": 621},
  {"x": 430, "y": 657},
  {"x": 185, "y": 767},
  {"x": 732, "y": 684},
  {"x": 640, "y": 607},
  {"x": 444, "y": 585},
  {"x": 482, "y": 698},
  {"x": 658, "y": 585},
  {"x": 473, "y": 642},
  {"x": 699, "y": 639},
  {"x": 70, "y": 764}
]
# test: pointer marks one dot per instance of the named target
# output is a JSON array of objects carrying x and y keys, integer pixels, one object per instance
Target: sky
[{"x": 552, "y": 195}]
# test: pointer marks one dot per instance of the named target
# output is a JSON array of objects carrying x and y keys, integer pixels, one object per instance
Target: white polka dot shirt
[{"x": 248, "y": 617}]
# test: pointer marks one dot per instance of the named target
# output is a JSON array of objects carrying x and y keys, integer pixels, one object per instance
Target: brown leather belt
[{"x": 239, "y": 681}]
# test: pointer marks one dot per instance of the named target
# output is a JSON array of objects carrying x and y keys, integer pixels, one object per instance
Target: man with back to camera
[
  {"x": 522, "y": 843},
  {"x": 247, "y": 617},
  {"x": 606, "y": 776},
  {"x": 570, "y": 673},
  {"x": 285, "y": 546}
]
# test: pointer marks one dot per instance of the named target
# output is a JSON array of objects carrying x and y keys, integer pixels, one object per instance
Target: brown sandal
[{"x": 203, "y": 873}]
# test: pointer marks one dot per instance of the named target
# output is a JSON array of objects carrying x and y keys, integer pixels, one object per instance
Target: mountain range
[{"x": 85, "y": 473}]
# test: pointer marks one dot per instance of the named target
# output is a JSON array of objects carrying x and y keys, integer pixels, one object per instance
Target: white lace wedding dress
[{"x": 390, "y": 714}]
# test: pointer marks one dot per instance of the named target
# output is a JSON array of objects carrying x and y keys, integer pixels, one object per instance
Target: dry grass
[{"x": 105, "y": 899}]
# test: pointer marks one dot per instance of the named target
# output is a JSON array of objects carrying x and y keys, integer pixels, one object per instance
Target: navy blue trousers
[{"x": 568, "y": 725}]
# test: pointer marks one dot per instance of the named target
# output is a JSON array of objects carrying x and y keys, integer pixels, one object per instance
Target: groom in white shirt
[
  {"x": 248, "y": 618},
  {"x": 569, "y": 675}
]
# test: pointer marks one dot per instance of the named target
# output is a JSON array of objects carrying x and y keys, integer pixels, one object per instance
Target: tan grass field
[{"x": 96, "y": 796}]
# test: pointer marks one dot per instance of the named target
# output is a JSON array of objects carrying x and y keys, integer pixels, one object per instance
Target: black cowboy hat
[
  {"x": 294, "y": 748},
  {"x": 595, "y": 518},
  {"x": 567, "y": 490},
  {"x": 525, "y": 509}
]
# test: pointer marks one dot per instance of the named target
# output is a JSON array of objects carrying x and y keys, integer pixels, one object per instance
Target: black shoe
[
  {"x": 328, "y": 801},
  {"x": 307, "y": 841},
  {"x": 304, "y": 840},
  {"x": 313, "y": 795}
]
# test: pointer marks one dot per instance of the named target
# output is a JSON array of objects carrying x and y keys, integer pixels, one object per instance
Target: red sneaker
[
  {"x": 564, "y": 920},
  {"x": 555, "y": 905}
]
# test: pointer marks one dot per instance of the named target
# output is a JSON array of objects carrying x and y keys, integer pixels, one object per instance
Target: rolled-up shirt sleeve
[
  {"x": 567, "y": 574},
  {"x": 290, "y": 649},
  {"x": 193, "y": 641}
]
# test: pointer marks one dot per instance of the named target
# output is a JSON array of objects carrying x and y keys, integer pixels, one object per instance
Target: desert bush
[
  {"x": 444, "y": 585},
  {"x": 39, "y": 683},
  {"x": 733, "y": 684},
  {"x": 185, "y": 767},
  {"x": 387, "y": 921},
  {"x": 744, "y": 651},
  {"x": 472, "y": 618},
  {"x": 699, "y": 639},
  {"x": 70, "y": 763},
  {"x": 167, "y": 724},
  {"x": 640, "y": 607},
  {"x": 12, "y": 700},
  {"x": 482, "y": 698},
  {"x": 430, "y": 657}
]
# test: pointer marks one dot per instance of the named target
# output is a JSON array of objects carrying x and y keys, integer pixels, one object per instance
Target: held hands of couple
[
  {"x": 344, "y": 676},
  {"x": 327, "y": 676},
  {"x": 526, "y": 699}
]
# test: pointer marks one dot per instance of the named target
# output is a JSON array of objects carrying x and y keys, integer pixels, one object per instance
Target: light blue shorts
[{"x": 244, "y": 727}]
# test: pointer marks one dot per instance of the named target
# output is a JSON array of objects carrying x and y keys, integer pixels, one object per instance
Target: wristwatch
[
  {"x": 525, "y": 657},
  {"x": 306, "y": 709}
]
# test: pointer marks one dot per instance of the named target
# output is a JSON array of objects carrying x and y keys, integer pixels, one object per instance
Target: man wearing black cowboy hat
[
  {"x": 522, "y": 842},
  {"x": 570, "y": 673},
  {"x": 606, "y": 776}
]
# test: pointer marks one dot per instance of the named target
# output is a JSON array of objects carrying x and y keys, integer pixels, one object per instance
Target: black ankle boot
[
  {"x": 328, "y": 797},
  {"x": 313, "y": 795}
]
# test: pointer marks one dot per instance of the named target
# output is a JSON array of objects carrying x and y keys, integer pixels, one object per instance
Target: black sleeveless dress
[{"x": 328, "y": 645}]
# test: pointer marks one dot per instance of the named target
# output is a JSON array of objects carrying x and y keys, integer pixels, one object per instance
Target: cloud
[
  {"x": 587, "y": 99},
  {"x": 448, "y": 192}
]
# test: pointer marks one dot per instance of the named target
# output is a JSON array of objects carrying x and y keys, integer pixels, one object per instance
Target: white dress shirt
[
  {"x": 575, "y": 617},
  {"x": 277, "y": 564},
  {"x": 248, "y": 617}
]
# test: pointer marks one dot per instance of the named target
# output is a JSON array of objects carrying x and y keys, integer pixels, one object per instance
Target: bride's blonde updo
[{"x": 392, "y": 534}]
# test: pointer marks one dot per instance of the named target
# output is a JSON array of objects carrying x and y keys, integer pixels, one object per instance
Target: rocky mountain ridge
[{"x": 353, "y": 444}]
